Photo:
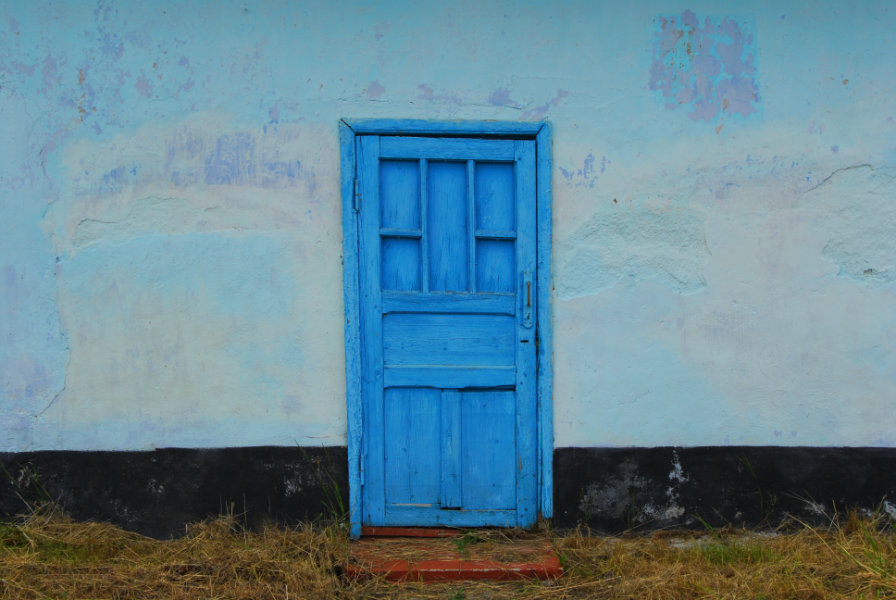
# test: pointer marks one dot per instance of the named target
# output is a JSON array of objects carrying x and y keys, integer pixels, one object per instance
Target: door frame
[{"x": 540, "y": 132}]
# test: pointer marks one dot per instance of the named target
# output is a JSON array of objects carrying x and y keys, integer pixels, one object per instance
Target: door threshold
[{"x": 410, "y": 532}]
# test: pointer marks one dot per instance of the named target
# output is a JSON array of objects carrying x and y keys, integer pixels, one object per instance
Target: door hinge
[{"x": 356, "y": 197}]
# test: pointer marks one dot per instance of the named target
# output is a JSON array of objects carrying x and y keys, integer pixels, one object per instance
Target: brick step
[{"x": 438, "y": 555}]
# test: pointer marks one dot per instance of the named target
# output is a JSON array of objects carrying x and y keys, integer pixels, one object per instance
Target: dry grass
[{"x": 49, "y": 556}]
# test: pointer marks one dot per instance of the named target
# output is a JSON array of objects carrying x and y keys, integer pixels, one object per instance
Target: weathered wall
[{"x": 724, "y": 209}]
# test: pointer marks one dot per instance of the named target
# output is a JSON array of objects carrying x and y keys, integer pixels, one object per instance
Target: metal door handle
[{"x": 527, "y": 304}]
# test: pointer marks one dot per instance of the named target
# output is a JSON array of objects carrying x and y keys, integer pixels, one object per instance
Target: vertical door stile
[
  {"x": 524, "y": 177},
  {"x": 471, "y": 224},
  {"x": 372, "y": 346},
  {"x": 452, "y": 439},
  {"x": 424, "y": 253}
]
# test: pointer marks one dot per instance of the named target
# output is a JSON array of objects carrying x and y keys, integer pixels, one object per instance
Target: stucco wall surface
[{"x": 724, "y": 212}]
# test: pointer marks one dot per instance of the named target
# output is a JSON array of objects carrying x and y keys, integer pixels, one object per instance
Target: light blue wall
[{"x": 724, "y": 212}]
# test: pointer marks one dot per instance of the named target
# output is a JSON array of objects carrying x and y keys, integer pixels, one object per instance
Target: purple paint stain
[
  {"x": 426, "y": 93},
  {"x": 185, "y": 147},
  {"x": 23, "y": 69},
  {"x": 587, "y": 175},
  {"x": 708, "y": 67},
  {"x": 275, "y": 172},
  {"x": 381, "y": 30},
  {"x": 114, "y": 180},
  {"x": 238, "y": 158},
  {"x": 588, "y": 167},
  {"x": 535, "y": 113},
  {"x": 274, "y": 115},
  {"x": 36, "y": 376},
  {"x": 561, "y": 94},
  {"x": 500, "y": 97},
  {"x": 50, "y": 73},
  {"x": 143, "y": 86},
  {"x": 835, "y": 149},
  {"x": 375, "y": 90},
  {"x": 111, "y": 46},
  {"x": 10, "y": 278},
  {"x": 233, "y": 160},
  {"x": 540, "y": 111},
  {"x": 140, "y": 38}
]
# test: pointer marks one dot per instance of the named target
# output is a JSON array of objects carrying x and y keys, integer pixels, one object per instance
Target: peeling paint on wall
[
  {"x": 538, "y": 112},
  {"x": 205, "y": 181},
  {"x": 621, "y": 497},
  {"x": 707, "y": 65},
  {"x": 637, "y": 242},
  {"x": 854, "y": 207}
]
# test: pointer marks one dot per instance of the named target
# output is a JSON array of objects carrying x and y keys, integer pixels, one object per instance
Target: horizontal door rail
[{"x": 448, "y": 376}]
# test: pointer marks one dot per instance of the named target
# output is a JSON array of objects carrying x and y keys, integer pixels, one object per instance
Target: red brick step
[{"x": 433, "y": 555}]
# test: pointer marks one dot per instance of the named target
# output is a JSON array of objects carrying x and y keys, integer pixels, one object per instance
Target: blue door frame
[{"x": 539, "y": 134}]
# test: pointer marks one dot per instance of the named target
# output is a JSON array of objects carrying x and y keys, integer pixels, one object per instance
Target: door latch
[{"x": 527, "y": 299}]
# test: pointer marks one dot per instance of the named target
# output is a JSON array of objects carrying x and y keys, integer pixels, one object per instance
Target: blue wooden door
[{"x": 447, "y": 255}]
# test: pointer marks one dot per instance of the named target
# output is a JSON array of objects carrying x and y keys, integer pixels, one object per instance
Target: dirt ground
[{"x": 47, "y": 555}]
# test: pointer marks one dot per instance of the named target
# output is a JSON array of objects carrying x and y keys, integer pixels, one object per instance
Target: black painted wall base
[
  {"x": 618, "y": 489},
  {"x": 609, "y": 490},
  {"x": 157, "y": 493}
]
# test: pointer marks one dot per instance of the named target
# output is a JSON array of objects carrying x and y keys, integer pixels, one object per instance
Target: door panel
[
  {"x": 446, "y": 220},
  {"x": 412, "y": 445},
  {"x": 494, "y": 265},
  {"x": 447, "y": 257},
  {"x": 401, "y": 264},
  {"x": 399, "y": 194},
  {"x": 495, "y": 208},
  {"x": 489, "y": 463},
  {"x": 448, "y": 339}
]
